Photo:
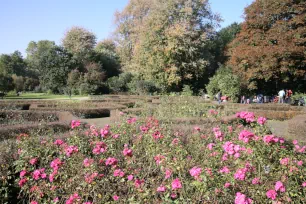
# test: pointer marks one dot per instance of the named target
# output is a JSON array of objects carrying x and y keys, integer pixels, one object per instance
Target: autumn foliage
[{"x": 270, "y": 49}]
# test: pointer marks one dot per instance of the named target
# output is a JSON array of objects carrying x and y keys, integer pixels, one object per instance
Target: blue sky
[{"x": 22, "y": 21}]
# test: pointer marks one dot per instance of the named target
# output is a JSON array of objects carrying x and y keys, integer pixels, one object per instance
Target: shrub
[
  {"x": 8, "y": 190},
  {"x": 297, "y": 96},
  {"x": 11, "y": 116},
  {"x": 119, "y": 83},
  {"x": 142, "y": 87},
  {"x": 226, "y": 82},
  {"x": 187, "y": 91},
  {"x": 145, "y": 162}
]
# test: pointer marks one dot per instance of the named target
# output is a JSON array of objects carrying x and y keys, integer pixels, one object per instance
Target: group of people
[
  {"x": 284, "y": 96},
  {"x": 256, "y": 99}
]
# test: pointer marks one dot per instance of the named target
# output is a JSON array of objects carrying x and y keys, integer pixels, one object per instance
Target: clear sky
[{"x": 22, "y": 21}]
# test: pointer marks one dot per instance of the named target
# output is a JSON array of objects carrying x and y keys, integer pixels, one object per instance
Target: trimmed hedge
[
  {"x": 34, "y": 116},
  {"x": 14, "y": 106},
  {"x": 11, "y": 132},
  {"x": 276, "y": 115},
  {"x": 81, "y": 113}
]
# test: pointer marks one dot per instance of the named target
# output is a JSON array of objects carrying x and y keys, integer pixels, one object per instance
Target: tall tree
[
  {"x": 166, "y": 41},
  {"x": 269, "y": 52},
  {"x": 106, "y": 54},
  {"x": 6, "y": 83},
  {"x": 35, "y": 52},
  {"x": 220, "y": 45},
  {"x": 12, "y": 64},
  {"x": 56, "y": 63},
  {"x": 80, "y": 42}
]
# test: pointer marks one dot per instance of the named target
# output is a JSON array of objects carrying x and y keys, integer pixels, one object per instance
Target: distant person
[
  {"x": 281, "y": 95},
  {"x": 259, "y": 98},
  {"x": 218, "y": 96},
  {"x": 255, "y": 99},
  {"x": 289, "y": 94},
  {"x": 242, "y": 100}
]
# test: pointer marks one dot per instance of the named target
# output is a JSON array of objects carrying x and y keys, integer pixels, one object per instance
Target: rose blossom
[
  {"x": 161, "y": 188},
  {"x": 115, "y": 197},
  {"x": 130, "y": 177},
  {"x": 242, "y": 199},
  {"x": 210, "y": 146},
  {"x": 225, "y": 170},
  {"x": 255, "y": 181},
  {"x": 284, "y": 161},
  {"x": 22, "y": 173},
  {"x": 195, "y": 172},
  {"x": 33, "y": 161},
  {"x": 227, "y": 185},
  {"x": 168, "y": 173},
  {"x": 261, "y": 120},
  {"x": 271, "y": 194},
  {"x": 22, "y": 181},
  {"x": 240, "y": 174},
  {"x": 176, "y": 184},
  {"x": 127, "y": 152},
  {"x": 75, "y": 123},
  {"x": 88, "y": 162},
  {"x": 111, "y": 161},
  {"x": 245, "y": 136},
  {"x": 279, "y": 186}
]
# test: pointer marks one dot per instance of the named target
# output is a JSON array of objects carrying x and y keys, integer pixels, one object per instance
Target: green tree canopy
[
  {"x": 56, "y": 63},
  {"x": 226, "y": 82},
  {"x": 166, "y": 41},
  {"x": 35, "y": 52},
  {"x": 79, "y": 41},
  {"x": 220, "y": 44},
  {"x": 13, "y": 64},
  {"x": 6, "y": 83},
  {"x": 105, "y": 53}
]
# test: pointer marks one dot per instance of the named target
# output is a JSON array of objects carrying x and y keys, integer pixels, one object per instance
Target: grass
[{"x": 41, "y": 96}]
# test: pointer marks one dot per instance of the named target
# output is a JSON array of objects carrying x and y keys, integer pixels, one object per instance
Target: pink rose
[
  {"x": 176, "y": 184},
  {"x": 115, "y": 197},
  {"x": 261, "y": 120},
  {"x": 161, "y": 188},
  {"x": 242, "y": 199},
  {"x": 255, "y": 181},
  {"x": 279, "y": 186},
  {"x": 271, "y": 194}
]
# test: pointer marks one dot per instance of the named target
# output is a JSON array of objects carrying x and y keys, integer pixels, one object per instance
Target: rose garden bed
[{"x": 143, "y": 161}]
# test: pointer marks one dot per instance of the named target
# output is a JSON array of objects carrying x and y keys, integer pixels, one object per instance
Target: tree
[
  {"x": 12, "y": 64},
  {"x": 93, "y": 79},
  {"x": 107, "y": 44},
  {"x": 226, "y": 82},
  {"x": 106, "y": 54},
  {"x": 119, "y": 83},
  {"x": 19, "y": 83},
  {"x": 166, "y": 41},
  {"x": 80, "y": 42},
  {"x": 6, "y": 83},
  {"x": 30, "y": 83},
  {"x": 55, "y": 63},
  {"x": 220, "y": 44},
  {"x": 269, "y": 52},
  {"x": 35, "y": 52}
]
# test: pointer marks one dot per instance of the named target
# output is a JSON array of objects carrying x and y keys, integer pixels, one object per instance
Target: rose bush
[{"x": 142, "y": 161}]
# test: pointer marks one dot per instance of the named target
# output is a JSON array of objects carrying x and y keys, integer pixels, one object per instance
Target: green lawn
[{"x": 41, "y": 96}]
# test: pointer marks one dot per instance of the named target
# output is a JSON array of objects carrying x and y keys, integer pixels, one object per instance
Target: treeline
[
  {"x": 78, "y": 66},
  {"x": 172, "y": 46}
]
